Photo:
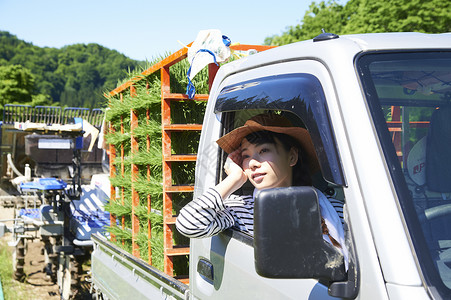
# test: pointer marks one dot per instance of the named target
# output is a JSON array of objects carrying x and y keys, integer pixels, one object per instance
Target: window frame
[{"x": 299, "y": 93}]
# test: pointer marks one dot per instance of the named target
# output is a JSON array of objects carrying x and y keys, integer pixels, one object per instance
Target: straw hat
[{"x": 275, "y": 123}]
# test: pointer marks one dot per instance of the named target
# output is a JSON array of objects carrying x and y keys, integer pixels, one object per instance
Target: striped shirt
[
  {"x": 210, "y": 214},
  {"x": 338, "y": 206}
]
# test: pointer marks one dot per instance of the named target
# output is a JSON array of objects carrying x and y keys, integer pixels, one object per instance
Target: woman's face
[{"x": 268, "y": 165}]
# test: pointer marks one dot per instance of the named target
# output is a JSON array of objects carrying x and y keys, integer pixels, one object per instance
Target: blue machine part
[
  {"x": 44, "y": 184},
  {"x": 79, "y": 140},
  {"x": 32, "y": 213},
  {"x": 83, "y": 225},
  {"x": 88, "y": 214}
]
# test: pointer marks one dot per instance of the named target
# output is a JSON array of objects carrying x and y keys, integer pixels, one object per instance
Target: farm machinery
[{"x": 52, "y": 175}]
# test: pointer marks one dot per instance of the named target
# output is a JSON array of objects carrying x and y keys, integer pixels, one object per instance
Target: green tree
[
  {"x": 365, "y": 16},
  {"x": 41, "y": 99},
  {"x": 433, "y": 16},
  {"x": 71, "y": 76},
  {"x": 16, "y": 85},
  {"x": 323, "y": 15}
]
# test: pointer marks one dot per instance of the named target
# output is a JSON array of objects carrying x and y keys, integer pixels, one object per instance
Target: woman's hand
[
  {"x": 235, "y": 174},
  {"x": 233, "y": 162},
  {"x": 233, "y": 168}
]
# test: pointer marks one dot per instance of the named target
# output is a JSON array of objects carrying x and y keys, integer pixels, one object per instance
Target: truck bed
[{"x": 119, "y": 275}]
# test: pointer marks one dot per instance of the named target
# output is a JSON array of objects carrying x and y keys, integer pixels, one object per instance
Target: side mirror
[{"x": 288, "y": 241}]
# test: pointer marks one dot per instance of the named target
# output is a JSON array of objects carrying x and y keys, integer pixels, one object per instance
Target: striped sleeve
[
  {"x": 338, "y": 206},
  {"x": 204, "y": 216},
  {"x": 242, "y": 209}
]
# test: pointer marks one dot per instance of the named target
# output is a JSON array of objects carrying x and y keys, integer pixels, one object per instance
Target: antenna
[{"x": 324, "y": 36}]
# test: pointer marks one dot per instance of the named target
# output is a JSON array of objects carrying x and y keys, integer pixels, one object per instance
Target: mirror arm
[{"x": 346, "y": 289}]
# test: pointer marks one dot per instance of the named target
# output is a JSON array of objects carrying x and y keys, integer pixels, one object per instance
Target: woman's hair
[{"x": 301, "y": 176}]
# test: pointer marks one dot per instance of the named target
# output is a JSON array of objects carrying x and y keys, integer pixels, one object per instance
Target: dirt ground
[
  {"x": 37, "y": 285},
  {"x": 40, "y": 283},
  {"x": 36, "y": 280}
]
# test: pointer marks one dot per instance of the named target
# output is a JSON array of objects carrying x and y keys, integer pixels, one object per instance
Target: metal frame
[{"x": 170, "y": 251}]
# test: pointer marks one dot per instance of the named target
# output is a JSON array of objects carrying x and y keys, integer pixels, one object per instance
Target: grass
[{"x": 11, "y": 288}]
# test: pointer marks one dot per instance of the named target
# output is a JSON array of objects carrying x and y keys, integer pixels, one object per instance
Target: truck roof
[
  {"x": 379, "y": 41},
  {"x": 403, "y": 40},
  {"x": 339, "y": 50}
]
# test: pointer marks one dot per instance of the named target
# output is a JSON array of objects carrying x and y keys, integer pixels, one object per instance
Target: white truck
[{"x": 378, "y": 109}]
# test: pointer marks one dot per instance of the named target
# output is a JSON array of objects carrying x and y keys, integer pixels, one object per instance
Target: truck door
[{"x": 222, "y": 267}]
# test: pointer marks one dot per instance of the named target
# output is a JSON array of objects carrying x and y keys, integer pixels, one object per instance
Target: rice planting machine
[{"x": 51, "y": 173}]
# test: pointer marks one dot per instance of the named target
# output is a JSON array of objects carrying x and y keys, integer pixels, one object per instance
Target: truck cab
[{"x": 377, "y": 108}]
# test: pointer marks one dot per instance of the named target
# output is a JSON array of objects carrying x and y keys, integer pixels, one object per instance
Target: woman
[{"x": 269, "y": 152}]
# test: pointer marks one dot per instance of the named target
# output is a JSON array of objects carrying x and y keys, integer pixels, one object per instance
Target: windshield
[{"x": 409, "y": 96}]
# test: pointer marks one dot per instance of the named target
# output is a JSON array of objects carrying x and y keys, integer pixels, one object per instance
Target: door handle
[{"x": 205, "y": 269}]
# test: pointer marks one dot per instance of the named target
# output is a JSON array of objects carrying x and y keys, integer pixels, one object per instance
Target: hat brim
[{"x": 232, "y": 140}]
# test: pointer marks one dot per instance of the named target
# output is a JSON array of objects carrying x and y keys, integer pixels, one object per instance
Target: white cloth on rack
[{"x": 211, "y": 40}]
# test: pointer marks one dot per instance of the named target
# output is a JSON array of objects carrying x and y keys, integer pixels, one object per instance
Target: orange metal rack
[
  {"x": 170, "y": 250},
  {"x": 395, "y": 127}
]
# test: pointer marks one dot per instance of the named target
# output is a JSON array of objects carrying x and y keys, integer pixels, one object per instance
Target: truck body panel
[
  {"x": 119, "y": 275},
  {"x": 233, "y": 258},
  {"x": 311, "y": 65}
]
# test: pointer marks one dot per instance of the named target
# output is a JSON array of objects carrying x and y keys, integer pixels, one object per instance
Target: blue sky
[{"x": 145, "y": 29}]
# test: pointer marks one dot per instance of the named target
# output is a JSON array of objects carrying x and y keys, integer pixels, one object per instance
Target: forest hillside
[{"x": 74, "y": 75}]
